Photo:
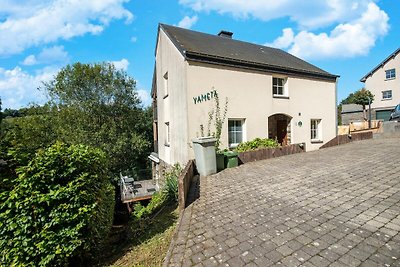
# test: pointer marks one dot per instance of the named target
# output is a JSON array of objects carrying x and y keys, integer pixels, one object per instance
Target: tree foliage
[
  {"x": 362, "y": 97},
  {"x": 61, "y": 207},
  {"x": 98, "y": 106}
]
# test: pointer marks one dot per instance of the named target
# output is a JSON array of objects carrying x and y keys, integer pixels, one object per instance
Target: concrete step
[{"x": 390, "y": 129}]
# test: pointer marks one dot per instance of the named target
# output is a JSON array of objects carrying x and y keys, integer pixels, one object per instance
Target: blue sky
[{"x": 38, "y": 37}]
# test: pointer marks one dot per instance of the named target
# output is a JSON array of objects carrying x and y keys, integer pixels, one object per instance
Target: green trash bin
[
  {"x": 220, "y": 161},
  {"x": 231, "y": 159}
]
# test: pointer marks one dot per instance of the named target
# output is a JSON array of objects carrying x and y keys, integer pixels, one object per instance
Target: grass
[{"x": 141, "y": 243}]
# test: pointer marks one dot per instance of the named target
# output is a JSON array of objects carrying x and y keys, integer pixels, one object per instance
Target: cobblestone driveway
[{"x": 334, "y": 207}]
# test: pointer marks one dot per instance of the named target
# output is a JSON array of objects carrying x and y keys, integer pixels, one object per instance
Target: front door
[{"x": 282, "y": 132}]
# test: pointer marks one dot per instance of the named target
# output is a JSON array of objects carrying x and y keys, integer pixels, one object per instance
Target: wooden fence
[
  {"x": 267, "y": 153},
  {"x": 344, "y": 139},
  {"x": 184, "y": 182}
]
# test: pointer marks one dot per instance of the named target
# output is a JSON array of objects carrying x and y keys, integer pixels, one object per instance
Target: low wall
[
  {"x": 344, "y": 139},
  {"x": 267, "y": 153},
  {"x": 184, "y": 182}
]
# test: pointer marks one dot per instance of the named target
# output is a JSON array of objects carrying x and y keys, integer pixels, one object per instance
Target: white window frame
[
  {"x": 235, "y": 144},
  {"x": 390, "y": 74},
  {"x": 167, "y": 134},
  {"x": 316, "y": 130},
  {"x": 166, "y": 89},
  {"x": 388, "y": 93},
  {"x": 283, "y": 87}
]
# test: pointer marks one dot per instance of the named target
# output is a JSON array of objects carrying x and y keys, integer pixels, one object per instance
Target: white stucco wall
[
  {"x": 250, "y": 97},
  {"x": 377, "y": 82},
  {"x": 171, "y": 108}
]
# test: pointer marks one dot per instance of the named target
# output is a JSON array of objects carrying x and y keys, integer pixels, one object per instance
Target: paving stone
[{"x": 333, "y": 207}]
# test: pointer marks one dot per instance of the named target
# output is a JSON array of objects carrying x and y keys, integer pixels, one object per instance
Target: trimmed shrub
[
  {"x": 257, "y": 144},
  {"x": 60, "y": 208}
]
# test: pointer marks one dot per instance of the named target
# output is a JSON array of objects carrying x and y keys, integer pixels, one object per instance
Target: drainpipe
[
  {"x": 369, "y": 110},
  {"x": 336, "y": 106}
]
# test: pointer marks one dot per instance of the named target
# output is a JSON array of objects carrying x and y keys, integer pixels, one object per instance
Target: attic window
[{"x": 390, "y": 74}]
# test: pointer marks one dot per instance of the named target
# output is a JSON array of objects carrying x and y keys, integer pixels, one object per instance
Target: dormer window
[
  {"x": 390, "y": 74},
  {"x": 279, "y": 87}
]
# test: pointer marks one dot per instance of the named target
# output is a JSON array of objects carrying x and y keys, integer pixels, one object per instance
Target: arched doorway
[{"x": 279, "y": 128}]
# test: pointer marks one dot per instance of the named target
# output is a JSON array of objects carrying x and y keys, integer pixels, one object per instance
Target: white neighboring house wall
[{"x": 377, "y": 83}]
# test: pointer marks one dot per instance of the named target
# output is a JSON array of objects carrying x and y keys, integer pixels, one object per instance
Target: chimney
[{"x": 225, "y": 34}]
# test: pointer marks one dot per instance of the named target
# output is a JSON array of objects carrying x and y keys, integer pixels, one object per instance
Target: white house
[
  {"x": 384, "y": 84},
  {"x": 270, "y": 93}
]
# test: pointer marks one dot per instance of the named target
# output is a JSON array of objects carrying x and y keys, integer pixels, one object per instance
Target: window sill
[
  {"x": 280, "y": 96},
  {"x": 386, "y": 99},
  {"x": 390, "y": 79},
  {"x": 316, "y": 141},
  {"x": 167, "y": 145}
]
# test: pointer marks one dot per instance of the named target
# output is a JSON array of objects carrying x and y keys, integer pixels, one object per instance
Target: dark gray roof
[
  {"x": 197, "y": 46},
  {"x": 351, "y": 108},
  {"x": 363, "y": 79}
]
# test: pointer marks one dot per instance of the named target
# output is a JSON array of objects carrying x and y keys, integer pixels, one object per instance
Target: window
[
  {"x": 167, "y": 134},
  {"x": 386, "y": 94},
  {"x": 235, "y": 132},
  {"x": 316, "y": 130},
  {"x": 390, "y": 74},
  {"x": 278, "y": 86},
  {"x": 166, "y": 84}
]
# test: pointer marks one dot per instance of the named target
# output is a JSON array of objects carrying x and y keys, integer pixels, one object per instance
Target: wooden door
[{"x": 282, "y": 132}]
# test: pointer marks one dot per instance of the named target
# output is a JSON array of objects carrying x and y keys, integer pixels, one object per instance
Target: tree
[
  {"x": 60, "y": 208},
  {"x": 363, "y": 97},
  {"x": 97, "y": 105}
]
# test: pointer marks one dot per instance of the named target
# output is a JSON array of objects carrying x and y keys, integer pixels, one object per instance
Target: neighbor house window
[
  {"x": 166, "y": 84},
  {"x": 167, "y": 134},
  {"x": 235, "y": 132},
  {"x": 390, "y": 74},
  {"x": 386, "y": 94},
  {"x": 278, "y": 86},
  {"x": 316, "y": 130}
]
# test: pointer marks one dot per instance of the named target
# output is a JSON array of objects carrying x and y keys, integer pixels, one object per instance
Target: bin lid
[
  {"x": 231, "y": 153},
  {"x": 204, "y": 140}
]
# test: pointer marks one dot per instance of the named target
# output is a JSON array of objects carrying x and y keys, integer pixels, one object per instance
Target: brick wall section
[
  {"x": 344, "y": 139},
  {"x": 184, "y": 182},
  {"x": 268, "y": 153}
]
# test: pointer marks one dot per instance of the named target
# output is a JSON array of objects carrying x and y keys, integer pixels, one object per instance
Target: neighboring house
[
  {"x": 384, "y": 83},
  {"x": 351, "y": 112},
  {"x": 270, "y": 93}
]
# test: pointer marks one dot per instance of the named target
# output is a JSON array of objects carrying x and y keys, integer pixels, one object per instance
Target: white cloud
[
  {"x": 345, "y": 28},
  {"x": 187, "y": 22},
  {"x": 18, "y": 88},
  {"x": 133, "y": 39},
  {"x": 350, "y": 39},
  {"x": 29, "y": 23},
  {"x": 307, "y": 14},
  {"x": 283, "y": 41},
  {"x": 55, "y": 54},
  {"x": 145, "y": 97},
  {"x": 121, "y": 64},
  {"x": 30, "y": 60}
]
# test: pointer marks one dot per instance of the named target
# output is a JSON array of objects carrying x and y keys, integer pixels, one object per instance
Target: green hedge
[
  {"x": 257, "y": 144},
  {"x": 60, "y": 208}
]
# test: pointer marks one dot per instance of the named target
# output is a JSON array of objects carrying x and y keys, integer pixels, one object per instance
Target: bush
[
  {"x": 60, "y": 208},
  {"x": 171, "y": 183},
  {"x": 257, "y": 144}
]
